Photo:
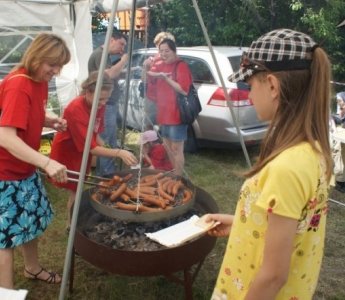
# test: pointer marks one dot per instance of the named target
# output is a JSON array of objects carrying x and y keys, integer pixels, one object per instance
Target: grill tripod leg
[
  {"x": 71, "y": 272},
  {"x": 188, "y": 281}
]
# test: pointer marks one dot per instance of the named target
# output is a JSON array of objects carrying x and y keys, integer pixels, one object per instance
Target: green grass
[{"x": 212, "y": 170}]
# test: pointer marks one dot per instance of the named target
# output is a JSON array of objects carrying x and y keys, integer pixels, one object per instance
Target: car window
[
  {"x": 235, "y": 62},
  {"x": 138, "y": 59},
  {"x": 200, "y": 70}
]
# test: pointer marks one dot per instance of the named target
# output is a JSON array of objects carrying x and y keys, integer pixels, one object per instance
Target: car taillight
[{"x": 237, "y": 97}]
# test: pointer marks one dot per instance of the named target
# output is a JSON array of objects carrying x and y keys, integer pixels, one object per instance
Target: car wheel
[{"x": 191, "y": 144}]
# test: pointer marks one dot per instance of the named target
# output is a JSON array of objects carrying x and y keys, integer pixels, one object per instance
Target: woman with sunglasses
[{"x": 276, "y": 236}]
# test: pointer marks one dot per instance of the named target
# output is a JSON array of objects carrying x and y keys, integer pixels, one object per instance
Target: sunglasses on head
[{"x": 247, "y": 63}]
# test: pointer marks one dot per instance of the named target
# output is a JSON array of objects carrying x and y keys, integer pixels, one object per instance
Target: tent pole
[
  {"x": 128, "y": 73},
  {"x": 82, "y": 173},
  {"x": 197, "y": 11},
  {"x": 61, "y": 2}
]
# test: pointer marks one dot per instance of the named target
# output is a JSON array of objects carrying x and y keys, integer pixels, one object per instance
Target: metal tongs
[
  {"x": 85, "y": 181},
  {"x": 97, "y": 177}
]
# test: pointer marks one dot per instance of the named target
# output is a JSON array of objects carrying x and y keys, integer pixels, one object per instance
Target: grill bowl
[{"x": 141, "y": 217}]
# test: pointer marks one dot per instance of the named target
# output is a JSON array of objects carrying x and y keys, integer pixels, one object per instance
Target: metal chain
[{"x": 143, "y": 112}]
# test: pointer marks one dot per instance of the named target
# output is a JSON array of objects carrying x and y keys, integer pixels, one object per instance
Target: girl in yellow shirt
[{"x": 276, "y": 239}]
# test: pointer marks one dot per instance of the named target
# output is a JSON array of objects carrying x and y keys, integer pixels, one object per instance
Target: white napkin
[
  {"x": 181, "y": 232},
  {"x": 7, "y": 294}
]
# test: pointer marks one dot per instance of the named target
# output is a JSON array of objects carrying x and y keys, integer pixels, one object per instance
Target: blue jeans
[
  {"x": 176, "y": 133},
  {"x": 106, "y": 166}
]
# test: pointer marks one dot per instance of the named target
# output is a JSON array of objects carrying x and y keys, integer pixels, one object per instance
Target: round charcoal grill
[{"x": 166, "y": 262}]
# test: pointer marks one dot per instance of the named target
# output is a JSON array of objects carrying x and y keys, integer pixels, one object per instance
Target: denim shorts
[{"x": 176, "y": 133}]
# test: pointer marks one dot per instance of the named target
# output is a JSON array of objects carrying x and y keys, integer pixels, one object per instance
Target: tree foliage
[
  {"x": 238, "y": 22},
  {"x": 98, "y": 22}
]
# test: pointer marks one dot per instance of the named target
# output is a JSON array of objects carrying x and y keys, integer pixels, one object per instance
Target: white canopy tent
[{"x": 22, "y": 20}]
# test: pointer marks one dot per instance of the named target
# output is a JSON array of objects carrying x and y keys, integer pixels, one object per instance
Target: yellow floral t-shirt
[{"x": 292, "y": 185}]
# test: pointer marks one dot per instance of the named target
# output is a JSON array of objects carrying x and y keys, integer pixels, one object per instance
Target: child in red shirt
[{"x": 155, "y": 155}]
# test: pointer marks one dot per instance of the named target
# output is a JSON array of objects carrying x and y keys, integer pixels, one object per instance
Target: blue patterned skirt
[{"x": 25, "y": 211}]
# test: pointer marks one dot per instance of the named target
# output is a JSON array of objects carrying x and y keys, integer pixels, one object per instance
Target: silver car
[{"x": 214, "y": 126}]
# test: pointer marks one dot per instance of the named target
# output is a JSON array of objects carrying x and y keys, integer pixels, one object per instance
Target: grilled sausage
[
  {"x": 124, "y": 197},
  {"x": 176, "y": 187},
  {"x": 167, "y": 183},
  {"x": 134, "y": 207},
  {"x": 163, "y": 180},
  {"x": 146, "y": 178},
  {"x": 113, "y": 181},
  {"x": 115, "y": 194},
  {"x": 127, "y": 177},
  {"x": 147, "y": 189},
  {"x": 163, "y": 194},
  {"x": 131, "y": 193},
  {"x": 153, "y": 200},
  {"x": 187, "y": 196},
  {"x": 170, "y": 187}
]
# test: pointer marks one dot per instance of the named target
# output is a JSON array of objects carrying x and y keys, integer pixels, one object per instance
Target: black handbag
[{"x": 189, "y": 105}]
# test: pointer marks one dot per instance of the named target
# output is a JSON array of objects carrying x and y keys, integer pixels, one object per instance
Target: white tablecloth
[{"x": 7, "y": 294}]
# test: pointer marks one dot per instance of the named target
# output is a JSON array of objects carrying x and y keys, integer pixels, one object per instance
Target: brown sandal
[{"x": 51, "y": 279}]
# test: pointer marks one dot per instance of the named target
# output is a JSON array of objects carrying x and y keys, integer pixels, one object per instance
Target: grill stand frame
[
  {"x": 165, "y": 262},
  {"x": 187, "y": 281}
]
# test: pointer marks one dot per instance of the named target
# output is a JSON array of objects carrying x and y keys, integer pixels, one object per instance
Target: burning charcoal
[
  {"x": 128, "y": 239},
  {"x": 142, "y": 246},
  {"x": 102, "y": 227},
  {"x": 132, "y": 247},
  {"x": 96, "y": 237},
  {"x": 128, "y": 236},
  {"x": 114, "y": 236},
  {"x": 121, "y": 244},
  {"x": 120, "y": 231},
  {"x": 107, "y": 239},
  {"x": 140, "y": 229}
]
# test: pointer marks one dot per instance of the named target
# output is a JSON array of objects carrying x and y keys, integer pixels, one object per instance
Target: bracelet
[{"x": 46, "y": 164}]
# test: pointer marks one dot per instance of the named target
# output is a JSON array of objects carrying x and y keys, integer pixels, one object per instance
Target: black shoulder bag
[{"x": 188, "y": 105}]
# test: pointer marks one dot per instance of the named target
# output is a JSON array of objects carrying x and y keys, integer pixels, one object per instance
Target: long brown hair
[
  {"x": 303, "y": 112},
  {"x": 45, "y": 48}
]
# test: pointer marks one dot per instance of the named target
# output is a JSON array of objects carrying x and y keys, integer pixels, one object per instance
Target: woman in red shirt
[
  {"x": 169, "y": 76},
  {"x": 149, "y": 94},
  {"x": 25, "y": 211},
  {"x": 68, "y": 146}
]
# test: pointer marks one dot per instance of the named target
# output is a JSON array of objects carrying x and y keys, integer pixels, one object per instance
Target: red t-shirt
[
  {"x": 22, "y": 105},
  {"x": 68, "y": 146},
  {"x": 165, "y": 96},
  {"x": 151, "y": 90},
  {"x": 159, "y": 157}
]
